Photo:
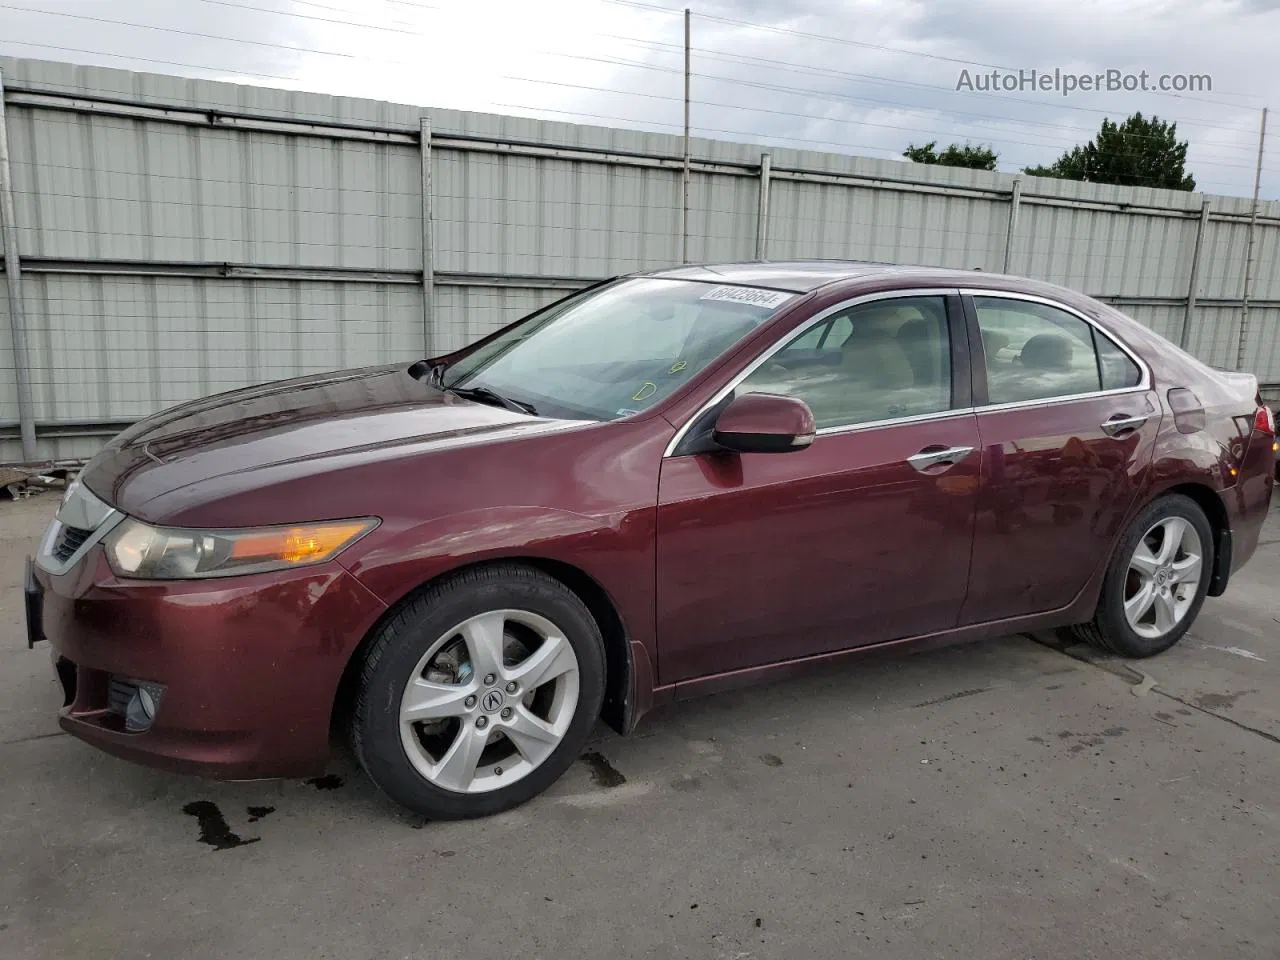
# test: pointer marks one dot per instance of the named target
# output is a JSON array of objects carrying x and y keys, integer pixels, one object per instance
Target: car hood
[{"x": 292, "y": 428}]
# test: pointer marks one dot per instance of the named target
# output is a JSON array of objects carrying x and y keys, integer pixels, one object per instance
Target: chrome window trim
[
  {"x": 799, "y": 332},
  {"x": 895, "y": 421},
  {"x": 1143, "y": 384},
  {"x": 1053, "y": 401}
]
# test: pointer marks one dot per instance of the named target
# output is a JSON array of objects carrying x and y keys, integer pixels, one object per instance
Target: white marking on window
[{"x": 751, "y": 296}]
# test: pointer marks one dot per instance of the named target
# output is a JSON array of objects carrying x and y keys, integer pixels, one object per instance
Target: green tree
[
  {"x": 975, "y": 158},
  {"x": 1136, "y": 153}
]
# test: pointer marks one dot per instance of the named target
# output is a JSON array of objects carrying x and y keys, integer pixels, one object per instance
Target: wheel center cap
[
  {"x": 493, "y": 701},
  {"x": 1162, "y": 577}
]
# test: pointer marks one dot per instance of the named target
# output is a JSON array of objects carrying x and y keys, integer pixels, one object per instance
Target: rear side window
[
  {"x": 1035, "y": 351},
  {"x": 1118, "y": 369}
]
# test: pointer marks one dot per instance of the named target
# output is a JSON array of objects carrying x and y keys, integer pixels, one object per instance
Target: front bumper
[{"x": 248, "y": 666}]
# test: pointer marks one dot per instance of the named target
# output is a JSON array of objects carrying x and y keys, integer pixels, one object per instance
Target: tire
[
  {"x": 422, "y": 765},
  {"x": 1176, "y": 599}
]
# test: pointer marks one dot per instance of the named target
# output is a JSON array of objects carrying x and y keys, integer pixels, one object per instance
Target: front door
[
  {"x": 862, "y": 537},
  {"x": 1067, "y": 424}
]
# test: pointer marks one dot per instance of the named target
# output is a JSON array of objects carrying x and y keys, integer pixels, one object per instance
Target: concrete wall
[{"x": 181, "y": 237}]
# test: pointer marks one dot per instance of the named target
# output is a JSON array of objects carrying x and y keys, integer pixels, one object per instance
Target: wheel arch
[
  {"x": 619, "y": 665},
  {"x": 1215, "y": 510},
  {"x": 1210, "y": 501}
]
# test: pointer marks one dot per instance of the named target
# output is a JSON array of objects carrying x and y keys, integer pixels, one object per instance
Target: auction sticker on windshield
[{"x": 752, "y": 296}]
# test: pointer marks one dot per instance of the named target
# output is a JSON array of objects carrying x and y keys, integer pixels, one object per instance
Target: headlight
[{"x": 138, "y": 550}]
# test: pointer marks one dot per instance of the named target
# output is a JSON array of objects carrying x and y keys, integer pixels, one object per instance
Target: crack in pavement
[
  {"x": 34, "y": 736},
  {"x": 1125, "y": 672}
]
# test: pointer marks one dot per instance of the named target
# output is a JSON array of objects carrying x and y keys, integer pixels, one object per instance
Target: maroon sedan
[{"x": 661, "y": 486}]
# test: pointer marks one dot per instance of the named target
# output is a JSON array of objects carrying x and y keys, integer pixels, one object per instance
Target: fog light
[{"x": 141, "y": 711}]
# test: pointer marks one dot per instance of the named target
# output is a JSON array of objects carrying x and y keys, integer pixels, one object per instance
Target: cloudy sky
[{"x": 861, "y": 76}]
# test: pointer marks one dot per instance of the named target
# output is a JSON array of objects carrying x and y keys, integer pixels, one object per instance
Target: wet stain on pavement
[
  {"x": 257, "y": 813},
  {"x": 1086, "y": 740},
  {"x": 213, "y": 826},
  {"x": 603, "y": 773},
  {"x": 329, "y": 781},
  {"x": 771, "y": 759},
  {"x": 1219, "y": 701}
]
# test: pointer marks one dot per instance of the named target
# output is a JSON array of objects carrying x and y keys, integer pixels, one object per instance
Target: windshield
[{"x": 614, "y": 351}]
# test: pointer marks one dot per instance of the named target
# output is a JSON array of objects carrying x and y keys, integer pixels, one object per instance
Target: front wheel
[
  {"x": 479, "y": 693},
  {"x": 1157, "y": 580}
]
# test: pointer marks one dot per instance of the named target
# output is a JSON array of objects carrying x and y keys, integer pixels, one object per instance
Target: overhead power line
[
  {"x": 295, "y": 15},
  {"x": 792, "y": 67},
  {"x": 903, "y": 51},
  {"x": 831, "y": 97},
  {"x": 1075, "y": 132}
]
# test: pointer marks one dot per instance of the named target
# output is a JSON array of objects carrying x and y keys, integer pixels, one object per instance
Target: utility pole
[
  {"x": 684, "y": 208},
  {"x": 1248, "y": 257}
]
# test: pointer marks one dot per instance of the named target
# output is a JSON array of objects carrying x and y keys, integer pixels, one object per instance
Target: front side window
[
  {"x": 617, "y": 350},
  {"x": 1035, "y": 351},
  {"x": 875, "y": 361}
]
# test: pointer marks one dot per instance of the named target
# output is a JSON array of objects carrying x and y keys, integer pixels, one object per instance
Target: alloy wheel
[
  {"x": 1163, "y": 577},
  {"x": 489, "y": 701}
]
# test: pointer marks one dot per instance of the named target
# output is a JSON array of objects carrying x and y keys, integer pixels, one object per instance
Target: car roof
[{"x": 804, "y": 276}]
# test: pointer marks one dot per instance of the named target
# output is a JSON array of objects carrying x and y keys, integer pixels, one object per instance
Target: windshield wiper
[{"x": 493, "y": 397}]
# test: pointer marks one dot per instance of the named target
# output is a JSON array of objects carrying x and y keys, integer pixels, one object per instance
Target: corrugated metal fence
[{"x": 181, "y": 237}]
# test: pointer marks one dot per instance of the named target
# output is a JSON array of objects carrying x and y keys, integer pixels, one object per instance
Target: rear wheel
[
  {"x": 1157, "y": 580},
  {"x": 479, "y": 693}
]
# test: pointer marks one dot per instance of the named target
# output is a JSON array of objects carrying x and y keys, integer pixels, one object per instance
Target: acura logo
[{"x": 492, "y": 701}]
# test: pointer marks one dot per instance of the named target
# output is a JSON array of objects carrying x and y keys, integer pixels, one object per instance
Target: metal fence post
[
  {"x": 1248, "y": 256},
  {"x": 428, "y": 255},
  {"x": 762, "y": 209},
  {"x": 1015, "y": 201},
  {"x": 13, "y": 284},
  {"x": 1193, "y": 285}
]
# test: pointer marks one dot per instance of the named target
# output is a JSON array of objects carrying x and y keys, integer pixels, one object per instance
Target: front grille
[{"x": 70, "y": 539}]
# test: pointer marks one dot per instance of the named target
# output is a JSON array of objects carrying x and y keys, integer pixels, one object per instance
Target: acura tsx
[{"x": 663, "y": 485}]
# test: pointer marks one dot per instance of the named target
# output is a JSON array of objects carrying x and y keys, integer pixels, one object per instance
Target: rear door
[
  {"x": 1067, "y": 423},
  {"x": 862, "y": 537}
]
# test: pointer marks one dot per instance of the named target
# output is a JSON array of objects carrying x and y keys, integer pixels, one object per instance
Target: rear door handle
[
  {"x": 1120, "y": 423},
  {"x": 934, "y": 456}
]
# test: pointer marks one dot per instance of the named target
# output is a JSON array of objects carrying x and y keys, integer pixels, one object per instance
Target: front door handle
[
  {"x": 1120, "y": 423},
  {"x": 937, "y": 455}
]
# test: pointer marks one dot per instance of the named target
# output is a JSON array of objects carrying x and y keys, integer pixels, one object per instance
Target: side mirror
[{"x": 764, "y": 423}]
